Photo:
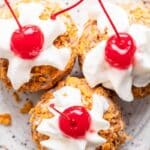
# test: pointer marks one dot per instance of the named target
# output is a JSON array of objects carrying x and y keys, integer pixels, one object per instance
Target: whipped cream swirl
[
  {"x": 66, "y": 97},
  {"x": 97, "y": 71}
]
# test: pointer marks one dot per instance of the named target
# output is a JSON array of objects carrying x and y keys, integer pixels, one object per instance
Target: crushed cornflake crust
[
  {"x": 26, "y": 107},
  {"x": 115, "y": 135},
  {"x": 5, "y": 119},
  {"x": 16, "y": 97},
  {"x": 138, "y": 13}
]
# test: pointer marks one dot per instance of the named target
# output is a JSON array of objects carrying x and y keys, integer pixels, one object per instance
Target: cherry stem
[
  {"x": 13, "y": 13},
  {"x": 109, "y": 18},
  {"x": 53, "y": 16},
  {"x": 65, "y": 116}
]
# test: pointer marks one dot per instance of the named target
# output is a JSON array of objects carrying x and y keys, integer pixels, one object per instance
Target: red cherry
[
  {"x": 75, "y": 121},
  {"x": 120, "y": 48},
  {"x": 78, "y": 124},
  {"x": 27, "y": 43},
  {"x": 119, "y": 52}
]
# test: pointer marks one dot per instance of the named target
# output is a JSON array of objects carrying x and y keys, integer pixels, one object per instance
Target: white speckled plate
[{"x": 18, "y": 136}]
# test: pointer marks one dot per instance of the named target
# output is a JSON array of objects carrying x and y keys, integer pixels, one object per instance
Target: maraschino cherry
[
  {"x": 27, "y": 41},
  {"x": 74, "y": 121},
  {"x": 120, "y": 48}
]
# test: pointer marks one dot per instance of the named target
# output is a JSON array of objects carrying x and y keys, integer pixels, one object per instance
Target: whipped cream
[
  {"x": 66, "y": 97},
  {"x": 121, "y": 81},
  {"x": 100, "y": 72},
  {"x": 19, "y": 69}
]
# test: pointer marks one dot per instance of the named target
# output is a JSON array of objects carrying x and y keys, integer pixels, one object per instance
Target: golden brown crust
[
  {"x": 44, "y": 77},
  {"x": 141, "y": 92},
  {"x": 5, "y": 119},
  {"x": 92, "y": 36},
  {"x": 26, "y": 107},
  {"x": 139, "y": 13},
  {"x": 115, "y": 135}
]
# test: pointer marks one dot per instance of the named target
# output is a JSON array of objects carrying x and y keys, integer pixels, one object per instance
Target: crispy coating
[
  {"x": 115, "y": 135},
  {"x": 5, "y": 119},
  {"x": 26, "y": 107},
  {"x": 92, "y": 36},
  {"x": 44, "y": 77}
]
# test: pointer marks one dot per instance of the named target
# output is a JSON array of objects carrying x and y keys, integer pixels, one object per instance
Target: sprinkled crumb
[
  {"x": 16, "y": 96},
  {"x": 26, "y": 107},
  {"x": 5, "y": 119}
]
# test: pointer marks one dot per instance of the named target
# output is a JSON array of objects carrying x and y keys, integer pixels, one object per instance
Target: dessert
[
  {"x": 114, "y": 47},
  {"x": 75, "y": 116},
  {"x": 36, "y": 51}
]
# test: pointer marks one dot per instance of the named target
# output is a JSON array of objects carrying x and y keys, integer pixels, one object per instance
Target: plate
[{"x": 18, "y": 136}]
